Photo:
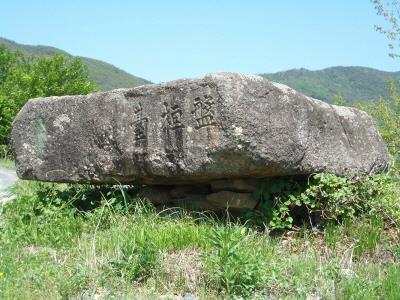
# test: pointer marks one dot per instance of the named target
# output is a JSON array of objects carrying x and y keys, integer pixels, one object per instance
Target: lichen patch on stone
[
  {"x": 60, "y": 121},
  {"x": 237, "y": 131},
  {"x": 40, "y": 132}
]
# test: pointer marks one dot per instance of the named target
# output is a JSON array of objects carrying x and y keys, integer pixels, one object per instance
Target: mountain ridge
[
  {"x": 353, "y": 83},
  {"x": 106, "y": 76}
]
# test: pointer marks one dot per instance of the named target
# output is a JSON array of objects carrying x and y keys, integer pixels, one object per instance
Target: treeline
[{"x": 23, "y": 78}]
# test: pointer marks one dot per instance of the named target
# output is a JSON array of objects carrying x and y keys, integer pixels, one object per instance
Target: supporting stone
[
  {"x": 231, "y": 199},
  {"x": 235, "y": 185}
]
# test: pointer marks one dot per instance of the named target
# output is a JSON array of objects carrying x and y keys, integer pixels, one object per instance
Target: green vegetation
[
  {"x": 7, "y": 163},
  {"x": 321, "y": 237},
  {"x": 324, "y": 197},
  {"x": 106, "y": 76},
  {"x": 386, "y": 113},
  {"x": 26, "y": 78},
  {"x": 61, "y": 241},
  {"x": 389, "y": 10},
  {"x": 354, "y": 84}
]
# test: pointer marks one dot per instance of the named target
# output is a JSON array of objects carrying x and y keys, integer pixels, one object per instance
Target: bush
[
  {"x": 23, "y": 78},
  {"x": 5, "y": 152},
  {"x": 386, "y": 113},
  {"x": 325, "y": 197},
  {"x": 50, "y": 214}
]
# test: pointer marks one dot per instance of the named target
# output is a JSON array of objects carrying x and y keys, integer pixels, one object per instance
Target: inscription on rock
[
  {"x": 298, "y": 136},
  {"x": 172, "y": 115},
  {"x": 203, "y": 112},
  {"x": 140, "y": 124}
]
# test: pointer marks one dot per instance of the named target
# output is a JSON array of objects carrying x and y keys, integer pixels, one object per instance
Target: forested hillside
[
  {"x": 354, "y": 84},
  {"x": 106, "y": 76}
]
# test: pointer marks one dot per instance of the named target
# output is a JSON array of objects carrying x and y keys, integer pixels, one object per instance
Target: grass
[
  {"x": 66, "y": 242},
  {"x": 7, "y": 163}
]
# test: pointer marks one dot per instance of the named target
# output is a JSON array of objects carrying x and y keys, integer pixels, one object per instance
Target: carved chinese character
[
  {"x": 203, "y": 111},
  {"x": 140, "y": 123},
  {"x": 173, "y": 116}
]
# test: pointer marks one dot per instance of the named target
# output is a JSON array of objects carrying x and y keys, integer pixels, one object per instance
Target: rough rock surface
[
  {"x": 231, "y": 199},
  {"x": 235, "y": 185},
  {"x": 225, "y": 125}
]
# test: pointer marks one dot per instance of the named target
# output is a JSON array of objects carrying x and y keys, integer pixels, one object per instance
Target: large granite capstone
[{"x": 225, "y": 125}]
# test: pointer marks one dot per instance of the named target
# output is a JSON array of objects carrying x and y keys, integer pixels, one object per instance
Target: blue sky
[{"x": 166, "y": 40}]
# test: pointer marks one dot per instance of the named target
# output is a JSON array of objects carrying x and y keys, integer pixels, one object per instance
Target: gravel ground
[{"x": 7, "y": 179}]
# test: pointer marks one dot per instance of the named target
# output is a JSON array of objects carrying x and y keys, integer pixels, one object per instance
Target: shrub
[
  {"x": 325, "y": 197},
  {"x": 386, "y": 113},
  {"x": 5, "y": 151},
  {"x": 24, "y": 78}
]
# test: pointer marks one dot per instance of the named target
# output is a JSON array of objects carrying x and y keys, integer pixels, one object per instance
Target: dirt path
[{"x": 7, "y": 179}]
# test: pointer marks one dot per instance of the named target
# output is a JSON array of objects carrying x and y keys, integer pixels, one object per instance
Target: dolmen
[{"x": 195, "y": 142}]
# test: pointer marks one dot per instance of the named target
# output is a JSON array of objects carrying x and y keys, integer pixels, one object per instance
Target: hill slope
[
  {"x": 106, "y": 76},
  {"x": 352, "y": 83}
]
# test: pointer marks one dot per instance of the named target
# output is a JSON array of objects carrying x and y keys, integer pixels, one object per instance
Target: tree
[
  {"x": 8, "y": 60},
  {"x": 386, "y": 113},
  {"x": 24, "y": 78},
  {"x": 391, "y": 13},
  {"x": 340, "y": 101}
]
